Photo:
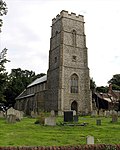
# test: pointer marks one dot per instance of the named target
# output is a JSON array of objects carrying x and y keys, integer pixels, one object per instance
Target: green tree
[
  {"x": 3, "y": 74},
  {"x": 115, "y": 81},
  {"x": 102, "y": 89},
  {"x": 3, "y": 11},
  {"x": 18, "y": 80},
  {"x": 92, "y": 85}
]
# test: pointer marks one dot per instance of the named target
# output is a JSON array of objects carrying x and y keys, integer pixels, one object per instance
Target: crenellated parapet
[{"x": 65, "y": 14}]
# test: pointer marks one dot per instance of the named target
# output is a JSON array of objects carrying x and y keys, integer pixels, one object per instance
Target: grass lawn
[{"x": 26, "y": 133}]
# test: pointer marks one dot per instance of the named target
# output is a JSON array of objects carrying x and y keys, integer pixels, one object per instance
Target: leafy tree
[
  {"x": 3, "y": 74},
  {"x": 92, "y": 85},
  {"x": 18, "y": 81},
  {"x": 115, "y": 81},
  {"x": 3, "y": 11},
  {"x": 102, "y": 89}
]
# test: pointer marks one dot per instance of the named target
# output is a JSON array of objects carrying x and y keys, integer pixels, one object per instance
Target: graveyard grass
[{"x": 26, "y": 133}]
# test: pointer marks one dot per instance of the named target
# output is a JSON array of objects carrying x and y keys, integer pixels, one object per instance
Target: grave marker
[
  {"x": 68, "y": 116},
  {"x": 90, "y": 140}
]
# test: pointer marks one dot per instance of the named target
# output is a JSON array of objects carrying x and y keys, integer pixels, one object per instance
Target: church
[{"x": 67, "y": 83}]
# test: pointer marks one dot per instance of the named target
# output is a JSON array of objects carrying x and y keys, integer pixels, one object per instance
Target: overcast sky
[{"x": 26, "y": 34}]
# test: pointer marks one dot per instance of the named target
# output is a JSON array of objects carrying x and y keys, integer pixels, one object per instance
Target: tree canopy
[
  {"x": 3, "y": 74},
  {"x": 115, "y": 81},
  {"x": 3, "y": 11}
]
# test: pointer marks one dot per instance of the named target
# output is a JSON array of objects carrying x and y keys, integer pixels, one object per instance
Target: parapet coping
[{"x": 65, "y": 14}]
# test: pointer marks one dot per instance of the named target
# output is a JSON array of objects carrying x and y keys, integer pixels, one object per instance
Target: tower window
[
  {"x": 55, "y": 59},
  {"x": 74, "y": 38},
  {"x": 74, "y": 84},
  {"x": 74, "y": 58}
]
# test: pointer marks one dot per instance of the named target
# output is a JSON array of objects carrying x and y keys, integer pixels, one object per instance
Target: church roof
[{"x": 38, "y": 80}]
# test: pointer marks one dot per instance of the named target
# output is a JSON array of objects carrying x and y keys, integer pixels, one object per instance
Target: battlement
[{"x": 64, "y": 13}]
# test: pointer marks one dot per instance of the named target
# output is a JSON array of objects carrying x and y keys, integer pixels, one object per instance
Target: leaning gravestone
[
  {"x": 50, "y": 121},
  {"x": 90, "y": 140},
  {"x": 68, "y": 116}
]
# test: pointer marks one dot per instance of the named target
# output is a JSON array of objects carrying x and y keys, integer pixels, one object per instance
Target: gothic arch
[
  {"x": 74, "y": 83},
  {"x": 74, "y": 106},
  {"x": 74, "y": 37}
]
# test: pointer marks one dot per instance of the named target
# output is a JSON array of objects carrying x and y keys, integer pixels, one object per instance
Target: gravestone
[
  {"x": 94, "y": 113},
  {"x": 1, "y": 114},
  {"x": 90, "y": 140},
  {"x": 11, "y": 111},
  {"x": 50, "y": 121},
  {"x": 74, "y": 113},
  {"x": 68, "y": 116},
  {"x": 11, "y": 118},
  {"x": 107, "y": 114},
  {"x": 86, "y": 111},
  {"x": 114, "y": 118},
  {"x": 111, "y": 111},
  {"x": 118, "y": 113},
  {"x": 18, "y": 115},
  {"x": 33, "y": 114},
  {"x": 52, "y": 113},
  {"x": 101, "y": 113},
  {"x": 60, "y": 113},
  {"x": 75, "y": 118},
  {"x": 98, "y": 122}
]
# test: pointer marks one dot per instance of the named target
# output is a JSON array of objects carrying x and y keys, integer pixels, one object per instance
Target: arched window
[
  {"x": 74, "y": 84},
  {"x": 74, "y": 38},
  {"x": 56, "y": 38}
]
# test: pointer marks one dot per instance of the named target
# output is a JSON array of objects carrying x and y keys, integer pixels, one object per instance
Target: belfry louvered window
[{"x": 74, "y": 38}]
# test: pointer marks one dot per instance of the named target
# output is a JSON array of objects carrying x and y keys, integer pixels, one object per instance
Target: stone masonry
[{"x": 67, "y": 83}]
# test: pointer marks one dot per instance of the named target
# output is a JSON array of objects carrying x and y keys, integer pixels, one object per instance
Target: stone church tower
[{"x": 68, "y": 81}]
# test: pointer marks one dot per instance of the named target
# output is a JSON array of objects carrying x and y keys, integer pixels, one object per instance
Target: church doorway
[{"x": 74, "y": 106}]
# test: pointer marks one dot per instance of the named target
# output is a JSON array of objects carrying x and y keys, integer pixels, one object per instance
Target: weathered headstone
[
  {"x": 75, "y": 118},
  {"x": 11, "y": 118},
  {"x": 107, "y": 114},
  {"x": 90, "y": 140},
  {"x": 50, "y": 121},
  {"x": 33, "y": 114},
  {"x": 101, "y": 113},
  {"x": 60, "y": 113},
  {"x": 114, "y": 118},
  {"x": 18, "y": 115},
  {"x": 52, "y": 113},
  {"x": 11, "y": 111},
  {"x": 86, "y": 111},
  {"x": 94, "y": 113},
  {"x": 98, "y": 122},
  {"x": 1, "y": 114},
  {"x": 118, "y": 113},
  {"x": 68, "y": 116},
  {"x": 74, "y": 113},
  {"x": 111, "y": 111}
]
